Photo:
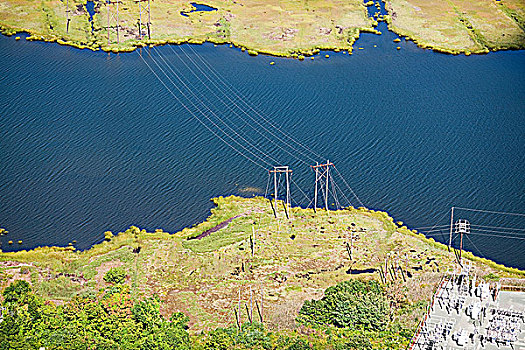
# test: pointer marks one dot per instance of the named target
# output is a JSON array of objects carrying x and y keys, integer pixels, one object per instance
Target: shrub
[
  {"x": 254, "y": 336},
  {"x": 115, "y": 275},
  {"x": 16, "y": 291},
  {"x": 351, "y": 304},
  {"x": 358, "y": 342},
  {"x": 221, "y": 339}
]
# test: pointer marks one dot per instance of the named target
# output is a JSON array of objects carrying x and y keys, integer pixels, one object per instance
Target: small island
[{"x": 280, "y": 28}]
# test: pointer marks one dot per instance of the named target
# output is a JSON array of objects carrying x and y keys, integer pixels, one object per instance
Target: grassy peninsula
[
  {"x": 280, "y": 28},
  {"x": 460, "y": 26},
  {"x": 241, "y": 263}
]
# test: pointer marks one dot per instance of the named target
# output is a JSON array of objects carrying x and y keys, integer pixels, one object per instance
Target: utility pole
[
  {"x": 251, "y": 304},
  {"x": 262, "y": 309},
  {"x": 322, "y": 173},
  {"x": 239, "y": 308},
  {"x": 284, "y": 169},
  {"x": 253, "y": 241},
  {"x": 67, "y": 16},
  {"x": 352, "y": 244},
  {"x": 451, "y": 224},
  {"x": 143, "y": 9}
]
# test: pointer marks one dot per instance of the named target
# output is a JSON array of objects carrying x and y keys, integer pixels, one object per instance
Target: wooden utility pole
[
  {"x": 251, "y": 304},
  {"x": 67, "y": 16},
  {"x": 316, "y": 180},
  {"x": 252, "y": 245},
  {"x": 327, "y": 180},
  {"x": 352, "y": 244},
  {"x": 239, "y": 308},
  {"x": 262, "y": 310}
]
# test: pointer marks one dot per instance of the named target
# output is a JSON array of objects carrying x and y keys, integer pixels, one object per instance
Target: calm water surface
[{"x": 92, "y": 142}]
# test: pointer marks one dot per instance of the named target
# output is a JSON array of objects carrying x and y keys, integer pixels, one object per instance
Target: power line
[
  {"x": 212, "y": 112},
  {"x": 196, "y": 117},
  {"x": 241, "y": 99},
  {"x": 302, "y": 192},
  {"x": 504, "y": 232},
  {"x": 480, "y": 253},
  {"x": 347, "y": 185},
  {"x": 491, "y": 211},
  {"x": 500, "y": 227},
  {"x": 431, "y": 227},
  {"x": 253, "y": 150},
  {"x": 344, "y": 195},
  {"x": 499, "y": 236},
  {"x": 240, "y": 109}
]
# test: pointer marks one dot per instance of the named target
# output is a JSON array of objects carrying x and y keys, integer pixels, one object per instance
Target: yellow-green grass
[
  {"x": 459, "y": 26},
  {"x": 293, "y": 260},
  {"x": 276, "y": 27}
]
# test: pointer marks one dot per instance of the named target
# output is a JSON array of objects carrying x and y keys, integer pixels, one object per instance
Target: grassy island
[
  {"x": 243, "y": 271},
  {"x": 280, "y": 28}
]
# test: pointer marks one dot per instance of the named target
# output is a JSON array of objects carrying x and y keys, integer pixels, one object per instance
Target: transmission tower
[
  {"x": 113, "y": 15},
  {"x": 144, "y": 9},
  {"x": 322, "y": 176},
  {"x": 461, "y": 227},
  {"x": 287, "y": 172}
]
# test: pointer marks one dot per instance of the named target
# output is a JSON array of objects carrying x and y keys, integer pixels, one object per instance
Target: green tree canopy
[{"x": 351, "y": 304}]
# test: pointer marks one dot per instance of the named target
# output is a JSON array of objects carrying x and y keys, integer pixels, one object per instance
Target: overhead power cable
[
  {"x": 259, "y": 124},
  {"x": 491, "y": 211},
  {"x": 348, "y": 186},
  {"x": 479, "y": 251},
  {"x": 201, "y": 99},
  {"x": 498, "y": 236},
  {"x": 499, "y": 227},
  {"x": 241, "y": 98},
  {"x": 197, "y": 118},
  {"x": 243, "y": 145},
  {"x": 494, "y": 231}
]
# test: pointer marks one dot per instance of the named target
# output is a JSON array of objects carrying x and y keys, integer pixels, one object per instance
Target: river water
[{"x": 91, "y": 142}]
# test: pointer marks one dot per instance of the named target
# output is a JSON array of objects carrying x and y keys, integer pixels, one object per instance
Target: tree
[
  {"x": 16, "y": 291},
  {"x": 350, "y": 304}
]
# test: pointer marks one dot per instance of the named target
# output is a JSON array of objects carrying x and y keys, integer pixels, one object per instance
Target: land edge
[
  {"x": 381, "y": 215},
  {"x": 296, "y": 53}
]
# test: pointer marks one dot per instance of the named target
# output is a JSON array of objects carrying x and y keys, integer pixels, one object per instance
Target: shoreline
[
  {"x": 299, "y": 54},
  {"x": 202, "y": 227},
  {"x": 256, "y": 32}
]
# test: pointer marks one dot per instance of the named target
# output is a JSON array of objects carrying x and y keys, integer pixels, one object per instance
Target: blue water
[
  {"x": 90, "y": 7},
  {"x": 198, "y": 7},
  {"x": 92, "y": 142}
]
